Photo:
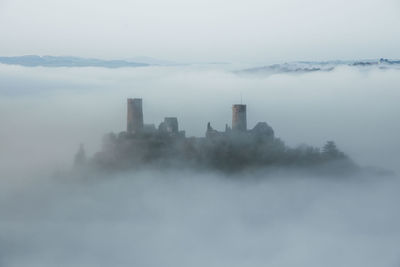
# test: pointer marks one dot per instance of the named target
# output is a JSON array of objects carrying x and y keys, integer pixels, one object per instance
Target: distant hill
[
  {"x": 52, "y": 61},
  {"x": 154, "y": 61},
  {"x": 315, "y": 66},
  {"x": 290, "y": 67}
]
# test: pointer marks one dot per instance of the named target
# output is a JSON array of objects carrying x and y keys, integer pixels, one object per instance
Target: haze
[
  {"x": 202, "y": 31},
  {"x": 178, "y": 218}
]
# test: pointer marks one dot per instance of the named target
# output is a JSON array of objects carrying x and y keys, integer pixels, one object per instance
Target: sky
[{"x": 250, "y": 31}]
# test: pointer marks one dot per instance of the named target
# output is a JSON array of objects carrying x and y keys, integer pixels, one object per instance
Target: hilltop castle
[
  {"x": 235, "y": 148},
  {"x": 170, "y": 126}
]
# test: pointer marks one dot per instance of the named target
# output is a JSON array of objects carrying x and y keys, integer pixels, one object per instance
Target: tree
[{"x": 330, "y": 150}]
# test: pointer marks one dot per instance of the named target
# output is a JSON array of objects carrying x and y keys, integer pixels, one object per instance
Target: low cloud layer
[
  {"x": 46, "y": 113},
  {"x": 52, "y": 216},
  {"x": 188, "y": 219}
]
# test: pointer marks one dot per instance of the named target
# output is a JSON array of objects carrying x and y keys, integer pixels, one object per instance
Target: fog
[
  {"x": 47, "y": 112},
  {"x": 186, "y": 219},
  {"x": 51, "y": 215}
]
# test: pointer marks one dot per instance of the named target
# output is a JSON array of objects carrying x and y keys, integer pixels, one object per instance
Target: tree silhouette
[{"x": 331, "y": 151}]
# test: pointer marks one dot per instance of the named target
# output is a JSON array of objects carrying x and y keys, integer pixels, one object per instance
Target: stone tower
[
  {"x": 135, "y": 115},
  {"x": 239, "y": 121}
]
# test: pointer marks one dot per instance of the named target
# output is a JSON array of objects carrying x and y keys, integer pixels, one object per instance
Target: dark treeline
[{"x": 231, "y": 152}]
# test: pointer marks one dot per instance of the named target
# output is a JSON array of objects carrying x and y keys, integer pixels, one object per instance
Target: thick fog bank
[
  {"x": 45, "y": 113},
  {"x": 168, "y": 218},
  {"x": 184, "y": 218}
]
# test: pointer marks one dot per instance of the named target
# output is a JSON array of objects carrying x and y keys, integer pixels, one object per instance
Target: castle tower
[
  {"x": 135, "y": 115},
  {"x": 239, "y": 121},
  {"x": 171, "y": 124}
]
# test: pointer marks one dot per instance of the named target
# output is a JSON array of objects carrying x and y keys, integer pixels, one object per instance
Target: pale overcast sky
[{"x": 202, "y": 30}]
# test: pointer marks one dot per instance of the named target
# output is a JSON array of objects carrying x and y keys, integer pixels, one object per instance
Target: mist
[
  {"x": 48, "y": 112},
  {"x": 52, "y": 215},
  {"x": 188, "y": 219}
]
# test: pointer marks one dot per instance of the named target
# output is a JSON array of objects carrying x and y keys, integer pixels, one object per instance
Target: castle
[
  {"x": 170, "y": 126},
  {"x": 234, "y": 149}
]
